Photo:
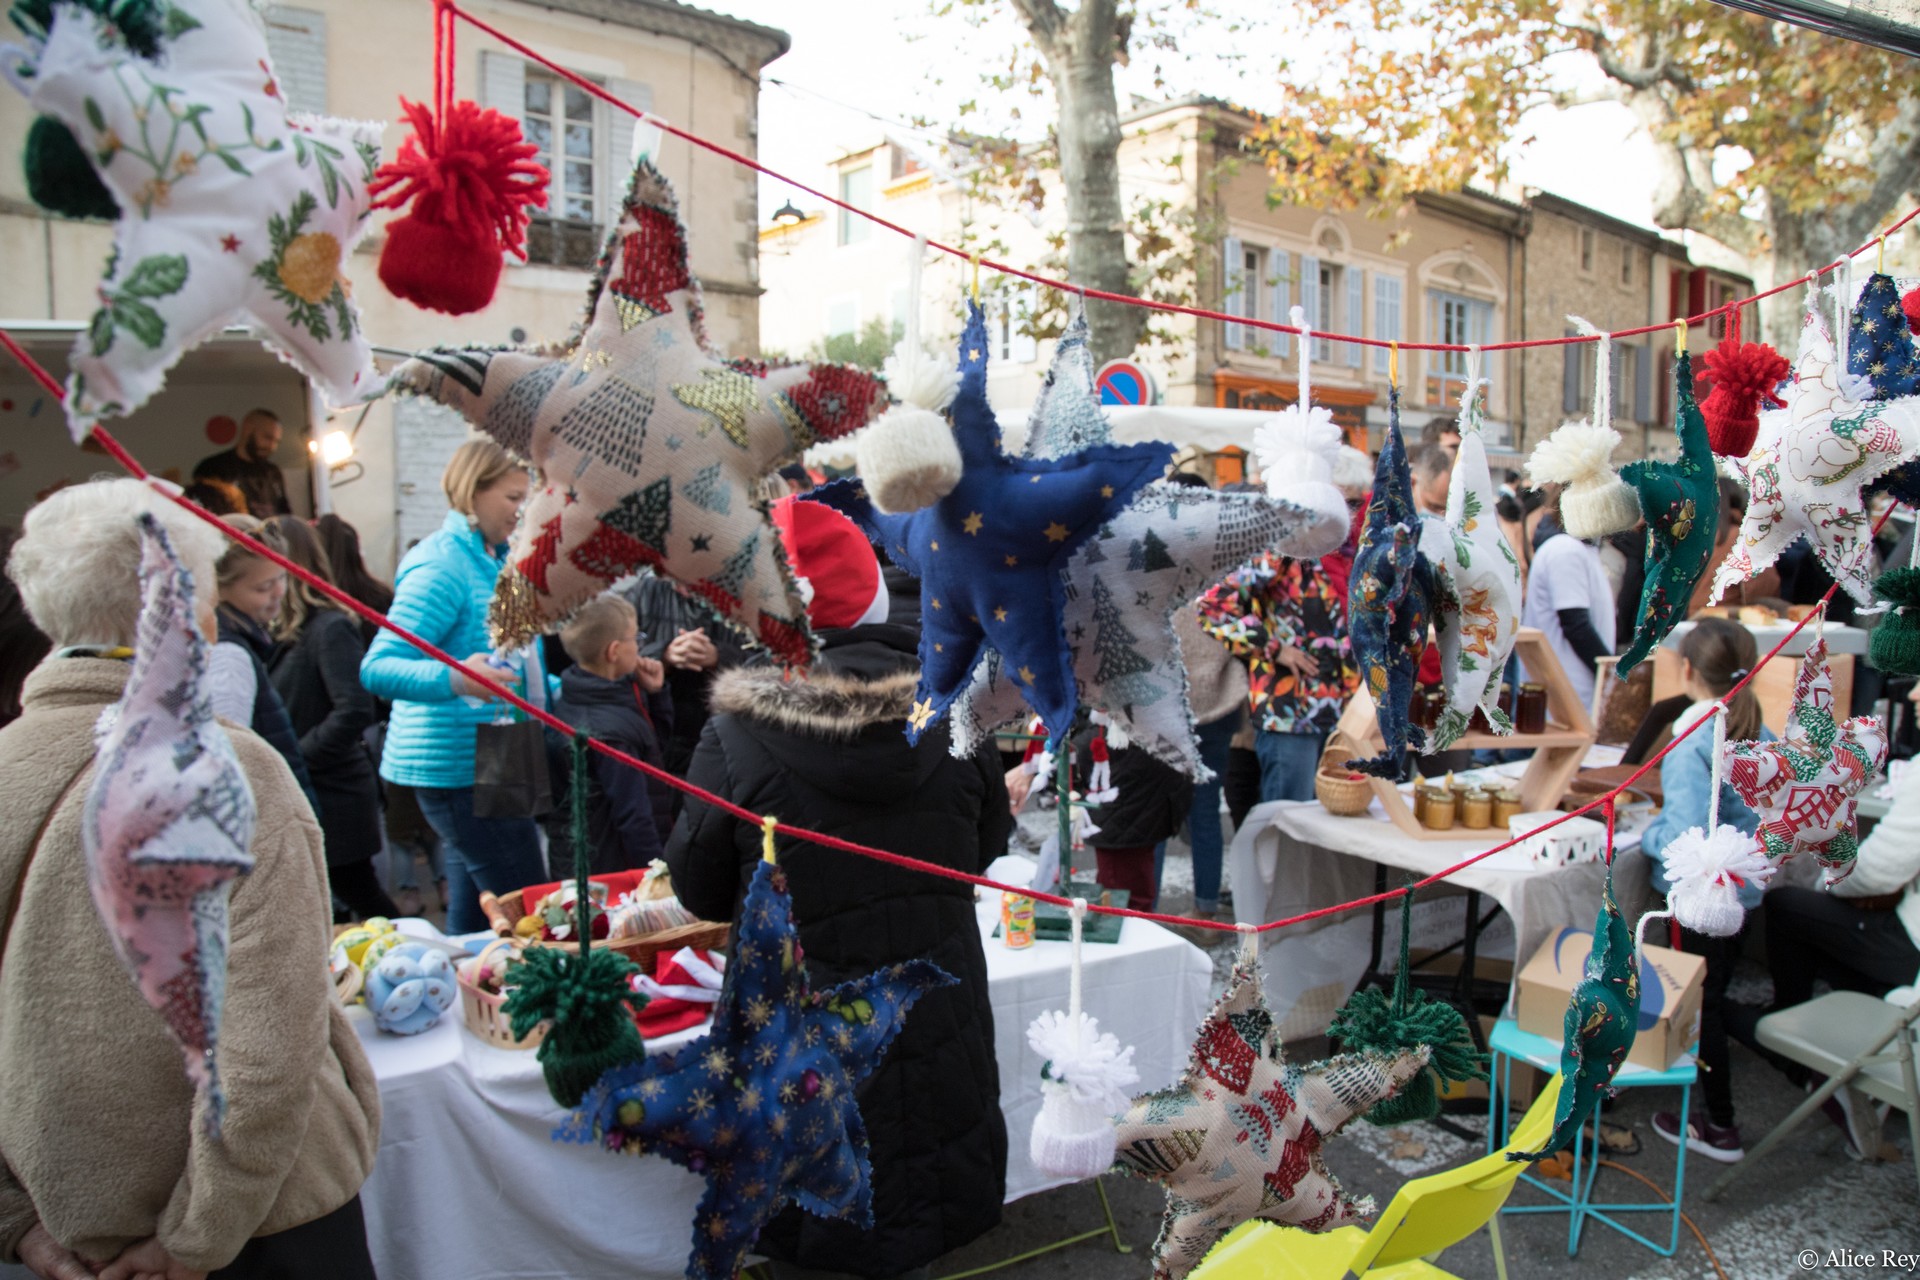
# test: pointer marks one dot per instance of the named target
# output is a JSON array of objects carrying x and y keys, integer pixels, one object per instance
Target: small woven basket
[
  {"x": 483, "y": 1008},
  {"x": 1341, "y": 795}
]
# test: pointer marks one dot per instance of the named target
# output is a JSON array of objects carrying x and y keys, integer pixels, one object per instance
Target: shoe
[
  {"x": 1839, "y": 1108},
  {"x": 1710, "y": 1140}
]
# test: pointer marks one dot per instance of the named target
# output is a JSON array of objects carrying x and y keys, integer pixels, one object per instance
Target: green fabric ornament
[
  {"x": 1681, "y": 503},
  {"x": 1895, "y": 646},
  {"x": 1372, "y": 1021}
]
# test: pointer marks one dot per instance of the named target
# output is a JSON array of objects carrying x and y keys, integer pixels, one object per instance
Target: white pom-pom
[
  {"x": 909, "y": 458},
  {"x": 915, "y": 377},
  {"x": 1296, "y": 450},
  {"x": 1084, "y": 1084},
  {"x": 1595, "y": 501},
  {"x": 1707, "y": 872}
]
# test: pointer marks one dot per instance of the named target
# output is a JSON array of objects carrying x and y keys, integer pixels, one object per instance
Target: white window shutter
[
  {"x": 1310, "y": 299},
  {"x": 503, "y": 84},
  {"x": 1356, "y": 321},
  {"x": 1280, "y": 297},
  {"x": 1482, "y": 322},
  {"x": 1386, "y": 317},
  {"x": 1232, "y": 292},
  {"x": 297, "y": 44},
  {"x": 620, "y": 126},
  {"x": 1024, "y": 347}
]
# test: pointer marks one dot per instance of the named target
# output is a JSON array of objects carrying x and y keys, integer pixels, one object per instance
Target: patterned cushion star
[
  {"x": 1681, "y": 501},
  {"x": 762, "y": 1106},
  {"x": 1805, "y": 785},
  {"x": 1808, "y": 467},
  {"x": 989, "y": 555},
  {"x": 230, "y": 210},
  {"x": 651, "y": 449},
  {"x": 1239, "y": 1136}
]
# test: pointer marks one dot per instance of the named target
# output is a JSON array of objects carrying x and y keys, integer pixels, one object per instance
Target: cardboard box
[{"x": 1671, "y": 983}]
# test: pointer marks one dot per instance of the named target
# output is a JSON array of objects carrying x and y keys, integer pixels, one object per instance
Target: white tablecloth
[{"x": 469, "y": 1184}]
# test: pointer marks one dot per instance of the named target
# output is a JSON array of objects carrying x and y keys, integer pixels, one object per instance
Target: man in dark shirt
[{"x": 250, "y": 465}]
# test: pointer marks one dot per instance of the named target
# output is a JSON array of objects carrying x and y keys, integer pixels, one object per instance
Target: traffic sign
[{"x": 1124, "y": 382}]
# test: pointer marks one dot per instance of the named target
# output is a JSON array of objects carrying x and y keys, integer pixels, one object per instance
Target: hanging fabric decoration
[
  {"x": 989, "y": 554},
  {"x": 763, "y": 1105},
  {"x": 1681, "y": 501},
  {"x": 1084, "y": 1078},
  {"x": 230, "y": 211},
  {"x": 1296, "y": 447},
  {"x": 909, "y": 458},
  {"x": 650, "y": 448},
  {"x": 1880, "y": 346},
  {"x": 1894, "y": 644},
  {"x": 1706, "y": 869},
  {"x": 1476, "y": 610},
  {"x": 1745, "y": 377},
  {"x": 1238, "y": 1137},
  {"x": 470, "y": 178},
  {"x": 168, "y": 821},
  {"x": 1389, "y": 602},
  {"x": 1594, "y": 502},
  {"x": 1374, "y": 1022},
  {"x": 1805, "y": 785}
]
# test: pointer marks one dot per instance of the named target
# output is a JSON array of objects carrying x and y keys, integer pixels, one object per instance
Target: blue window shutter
[
  {"x": 1232, "y": 289},
  {"x": 1356, "y": 313},
  {"x": 1386, "y": 316},
  {"x": 1280, "y": 273},
  {"x": 1482, "y": 322}
]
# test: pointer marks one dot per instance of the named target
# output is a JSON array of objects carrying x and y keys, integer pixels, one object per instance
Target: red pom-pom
[
  {"x": 1743, "y": 374},
  {"x": 1910, "y": 303},
  {"x": 470, "y": 178}
]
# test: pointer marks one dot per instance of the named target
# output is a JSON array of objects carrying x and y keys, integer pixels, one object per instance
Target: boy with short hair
[{"x": 613, "y": 694}]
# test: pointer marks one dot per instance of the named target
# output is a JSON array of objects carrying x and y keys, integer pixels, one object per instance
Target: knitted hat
[
  {"x": 835, "y": 565},
  {"x": 1895, "y": 642},
  {"x": 1595, "y": 500},
  {"x": 1297, "y": 449}
]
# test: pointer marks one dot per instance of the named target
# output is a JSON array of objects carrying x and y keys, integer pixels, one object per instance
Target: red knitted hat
[{"x": 839, "y": 575}]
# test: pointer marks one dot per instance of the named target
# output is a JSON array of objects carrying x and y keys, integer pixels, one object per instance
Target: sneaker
[
  {"x": 1851, "y": 1114},
  {"x": 1710, "y": 1140}
]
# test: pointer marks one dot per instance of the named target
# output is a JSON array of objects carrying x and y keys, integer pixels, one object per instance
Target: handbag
[{"x": 510, "y": 776}]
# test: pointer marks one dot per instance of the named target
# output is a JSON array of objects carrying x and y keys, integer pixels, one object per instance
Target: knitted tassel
[
  {"x": 1743, "y": 376},
  {"x": 1084, "y": 1083},
  {"x": 1595, "y": 501},
  {"x": 1707, "y": 873},
  {"x": 1895, "y": 643}
]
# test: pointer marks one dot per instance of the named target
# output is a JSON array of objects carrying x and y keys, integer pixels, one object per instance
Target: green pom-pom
[
  {"x": 60, "y": 177},
  {"x": 1372, "y": 1021},
  {"x": 1895, "y": 643},
  {"x": 590, "y": 1002}
]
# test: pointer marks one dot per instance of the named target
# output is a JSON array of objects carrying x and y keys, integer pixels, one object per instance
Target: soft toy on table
[{"x": 411, "y": 986}]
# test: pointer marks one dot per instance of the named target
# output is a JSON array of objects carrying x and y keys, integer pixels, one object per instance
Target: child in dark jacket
[{"x": 613, "y": 694}]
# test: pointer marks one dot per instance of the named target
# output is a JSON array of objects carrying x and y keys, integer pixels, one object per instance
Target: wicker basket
[
  {"x": 703, "y": 935},
  {"x": 483, "y": 1008},
  {"x": 1343, "y": 796}
]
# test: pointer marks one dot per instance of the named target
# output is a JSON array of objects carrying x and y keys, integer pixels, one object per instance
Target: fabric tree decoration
[
  {"x": 1681, "y": 502},
  {"x": 1806, "y": 474},
  {"x": 230, "y": 210},
  {"x": 1881, "y": 356},
  {"x": 1602, "y": 1016},
  {"x": 763, "y": 1105},
  {"x": 1805, "y": 785},
  {"x": 989, "y": 553},
  {"x": 1389, "y": 601},
  {"x": 1238, "y": 1137},
  {"x": 651, "y": 449},
  {"x": 168, "y": 821}
]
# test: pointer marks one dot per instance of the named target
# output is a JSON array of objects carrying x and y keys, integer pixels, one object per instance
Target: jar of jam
[
  {"x": 1476, "y": 809},
  {"x": 1419, "y": 799},
  {"x": 1506, "y": 806},
  {"x": 1530, "y": 709},
  {"x": 1440, "y": 809}
]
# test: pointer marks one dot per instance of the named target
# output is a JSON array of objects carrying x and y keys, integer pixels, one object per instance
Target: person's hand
[
  {"x": 692, "y": 651},
  {"x": 1019, "y": 783},
  {"x": 650, "y": 674},
  {"x": 465, "y": 688},
  {"x": 1299, "y": 661},
  {"x": 49, "y": 1259},
  {"x": 148, "y": 1261}
]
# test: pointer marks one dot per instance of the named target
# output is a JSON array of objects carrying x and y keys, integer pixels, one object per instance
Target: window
[
  {"x": 1455, "y": 318},
  {"x": 843, "y": 316},
  {"x": 1387, "y": 292},
  {"x": 1334, "y": 298},
  {"x": 1239, "y": 288},
  {"x": 297, "y": 43},
  {"x": 1324, "y": 298},
  {"x": 1586, "y": 249},
  {"x": 559, "y": 121},
  {"x": 1010, "y": 325},
  {"x": 856, "y": 189},
  {"x": 1627, "y": 255},
  {"x": 1722, "y": 294}
]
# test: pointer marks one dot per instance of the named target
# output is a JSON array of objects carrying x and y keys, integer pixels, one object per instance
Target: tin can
[{"x": 1016, "y": 920}]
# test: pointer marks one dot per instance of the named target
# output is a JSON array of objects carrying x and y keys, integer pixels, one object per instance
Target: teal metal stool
[{"x": 1508, "y": 1043}]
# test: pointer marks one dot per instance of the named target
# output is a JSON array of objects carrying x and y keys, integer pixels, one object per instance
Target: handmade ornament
[
  {"x": 1389, "y": 601},
  {"x": 410, "y": 988},
  {"x": 1602, "y": 1016},
  {"x": 1239, "y": 1136},
  {"x": 1806, "y": 784},
  {"x": 909, "y": 458},
  {"x": 763, "y": 1105},
  {"x": 1594, "y": 502},
  {"x": 1880, "y": 345},
  {"x": 1706, "y": 873},
  {"x": 230, "y": 211},
  {"x": 1681, "y": 501},
  {"x": 1894, "y": 644},
  {"x": 168, "y": 821},
  {"x": 588, "y": 998},
  {"x": 651, "y": 450},
  {"x": 989, "y": 554},
  {"x": 1084, "y": 1078},
  {"x": 1806, "y": 474},
  {"x": 1745, "y": 377},
  {"x": 1297, "y": 446}
]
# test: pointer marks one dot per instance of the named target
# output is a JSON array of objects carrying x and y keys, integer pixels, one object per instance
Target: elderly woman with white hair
[{"x": 105, "y": 1167}]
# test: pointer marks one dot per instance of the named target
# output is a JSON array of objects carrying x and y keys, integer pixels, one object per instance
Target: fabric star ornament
[
  {"x": 1681, "y": 503},
  {"x": 1806, "y": 474},
  {"x": 1239, "y": 1136},
  {"x": 1389, "y": 601},
  {"x": 168, "y": 820},
  {"x": 1806, "y": 784},
  {"x": 1881, "y": 354},
  {"x": 763, "y": 1105},
  {"x": 651, "y": 449},
  {"x": 989, "y": 554},
  {"x": 231, "y": 210}
]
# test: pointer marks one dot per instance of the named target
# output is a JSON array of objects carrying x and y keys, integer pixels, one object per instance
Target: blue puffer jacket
[
  {"x": 1686, "y": 779},
  {"x": 441, "y": 594}
]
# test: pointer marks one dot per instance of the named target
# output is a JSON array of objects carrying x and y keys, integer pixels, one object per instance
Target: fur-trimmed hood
[{"x": 823, "y": 703}]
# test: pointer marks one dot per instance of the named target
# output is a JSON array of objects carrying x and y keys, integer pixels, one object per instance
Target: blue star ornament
[
  {"x": 762, "y": 1106},
  {"x": 989, "y": 555}
]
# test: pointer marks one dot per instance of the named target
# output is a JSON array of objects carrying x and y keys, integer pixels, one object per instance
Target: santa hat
[{"x": 838, "y": 574}]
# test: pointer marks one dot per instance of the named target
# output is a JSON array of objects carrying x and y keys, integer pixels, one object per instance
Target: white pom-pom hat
[
  {"x": 1594, "y": 500},
  {"x": 1707, "y": 873},
  {"x": 909, "y": 458}
]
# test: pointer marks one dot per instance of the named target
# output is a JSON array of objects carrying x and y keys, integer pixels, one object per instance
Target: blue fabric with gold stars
[
  {"x": 1390, "y": 601},
  {"x": 1880, "y": 348},
  {"x": 1681, "y": 501},
  {"x": 989, "y": 555},
  {"x": 763, "y": 1105}
]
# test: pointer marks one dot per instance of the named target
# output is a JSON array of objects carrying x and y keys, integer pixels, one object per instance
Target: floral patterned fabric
[{"x": 1260, "y": 609}]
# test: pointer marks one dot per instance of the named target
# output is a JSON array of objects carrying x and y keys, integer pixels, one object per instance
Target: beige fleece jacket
[
  {"x": 1217, "y": 682},
  {"x": 99, "y": 1134}
]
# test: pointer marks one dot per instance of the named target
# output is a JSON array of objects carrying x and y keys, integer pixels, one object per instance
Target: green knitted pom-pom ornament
[
  {"x": 590, "y": 1002},
  {"x": 60, "y": 178},
  {"x": 1895, "y": 644}
]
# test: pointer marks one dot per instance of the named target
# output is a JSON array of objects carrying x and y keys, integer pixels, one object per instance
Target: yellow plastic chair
[{"x": 1427, "y": 1215}]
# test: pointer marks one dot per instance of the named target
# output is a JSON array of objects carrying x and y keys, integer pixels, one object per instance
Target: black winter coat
[
  {"x": 318, "y": 678},
  {"x": 269, "y": 712},
  {"x": 1153, "y": 801},
  {"x": 629, "y": 814},
  {"x": 829, "y": 753}
]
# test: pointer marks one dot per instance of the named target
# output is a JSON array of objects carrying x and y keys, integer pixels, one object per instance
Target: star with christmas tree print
[
  {"x": 1805, "y": 785},
  {"x": 1681, "y": 502},
  {"x": 1807, "y": 470},
  {"x": 198, "y": 150},
  {"x": 1239, "y": 1136},
  {"x": 1881, "y": 354},
  {"x": 662, "y": 444},
  {"x": 762, "y": 1106},
  {"x": 1035, "y": 512}
]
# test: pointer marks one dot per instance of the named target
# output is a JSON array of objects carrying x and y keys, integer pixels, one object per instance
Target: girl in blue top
[
  {"x": 1714, "y": 656},
  {"x": 441, "y": 594}
]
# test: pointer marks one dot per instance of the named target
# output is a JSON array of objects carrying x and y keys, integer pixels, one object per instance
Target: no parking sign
[{"x": 1124, "y": 382}]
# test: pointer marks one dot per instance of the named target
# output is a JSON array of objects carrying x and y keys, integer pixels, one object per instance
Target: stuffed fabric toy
[
  {"x": 651, "y": 450},
  {"x": 1881, "y": 356},
  {"x": 230, "y": 209},
  {"x": 168, "y": 821},
  {"x": 1389, "y": 601},
  {"x": 411, "y": 986},
  {"x": 1681, "y": 501},
  {"x": 763, "y": 1105}
]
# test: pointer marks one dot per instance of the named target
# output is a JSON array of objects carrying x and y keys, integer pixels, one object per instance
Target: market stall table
[{"x": 469, "y": 1184}]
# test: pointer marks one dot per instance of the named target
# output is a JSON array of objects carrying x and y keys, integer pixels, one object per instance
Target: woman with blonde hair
[
  {"x": 251, "y": 591},
  {"x": 441, "y": 595}
]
